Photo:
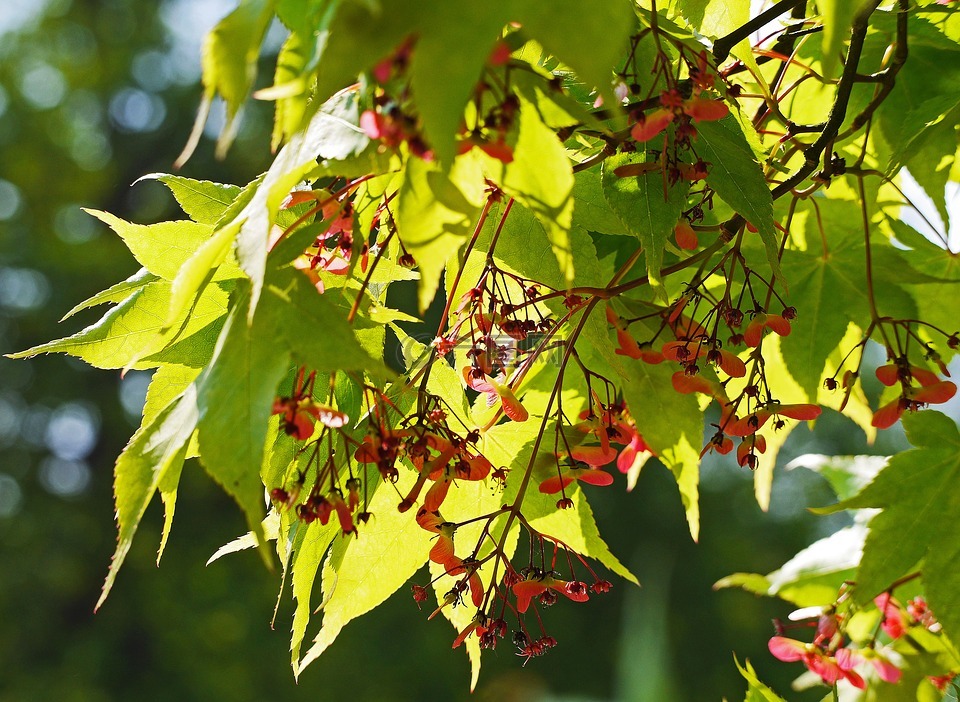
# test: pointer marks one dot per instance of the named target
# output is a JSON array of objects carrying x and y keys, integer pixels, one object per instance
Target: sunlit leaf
[
  {"x": 921, "y": 511},
  {"x": 115, "y": 294},
  {"x": 756, "y": 690},
  {"x": 134, "y": 329},
  {"x": 201, "y": 200},
  {"x": 235, "y": 398},
  {"x": 360, "y": 573},
  {"x": 160, "y": 248},
  {"x": 155, "y": 452},
  {"x": 647, "y": 206},
  {"x": 672, "y": 425},
  {"x": 436, "y": 212},
  {"x": 738, "y": 179}
]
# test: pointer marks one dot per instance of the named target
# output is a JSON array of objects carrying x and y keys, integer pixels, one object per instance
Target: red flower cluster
[
  {"x": 333, "y": 247},
  {"x": 696, "y": 108},
  {"x": 582, "y": 463},
  {"x": 438, "y": 458},
  {"x": 897, "y": 619},
  {"x": 300, "y": 411},
  {"x": 833, "y": 665}
]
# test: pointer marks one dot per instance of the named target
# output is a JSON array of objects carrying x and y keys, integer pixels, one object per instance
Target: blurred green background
[{"x": 94, "y": 95}]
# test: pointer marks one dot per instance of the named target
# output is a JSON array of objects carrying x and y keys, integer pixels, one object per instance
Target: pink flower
[
  {"x": 886, "y": 670},
  {"x": 894, "y": 623},
  {"x": 636, "y": 448},
  {"x": 496, "y": 389},
  {"x": 831, "y": 669}
]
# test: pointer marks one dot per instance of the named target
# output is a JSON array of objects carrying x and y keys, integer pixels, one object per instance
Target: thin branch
[
  {"x": 887, "y": 77},
  {"x": 723, "y": 45},
  {"x": 839, "y": 110}
]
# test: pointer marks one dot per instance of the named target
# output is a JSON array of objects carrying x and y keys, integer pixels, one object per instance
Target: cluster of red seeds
[
  {"x": 534, "y": 585},
  {"x": 695, "y": 342},
  {"x": 392, "y": 121}
]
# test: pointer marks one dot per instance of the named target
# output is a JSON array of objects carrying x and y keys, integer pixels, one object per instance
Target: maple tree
[{"x": 653, "y": 235}]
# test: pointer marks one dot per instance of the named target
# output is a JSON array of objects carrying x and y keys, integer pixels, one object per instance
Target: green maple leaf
[
  {"x": 151, "y": 461},
  {"x": 361, "y": 573},
  {"x": 201, "y": 200},
  {"x": 738, "y": 179},
  {"x": 647, "y": 207},
  {"x": 920, "y": 522}
]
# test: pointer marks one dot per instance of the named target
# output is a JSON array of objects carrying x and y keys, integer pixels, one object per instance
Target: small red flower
[
  {"x": 444, "y": 344},
  {"x": 685, "y": 236},
  {"x": 419, "y": 593},
  {"x": 580, "y": 472},
  {"x": 894, "y": 623},
  {"x": 684, "y": 351},
  {"x": 920, "y": 613},
  {"x": 652, "y": 124},
  {"x": 749, "y": 448},
  {"x": 477, "y": 624},
  {"x": 774, "y": 322},
  {"x": 299, "y": 415},
  {"x": 536, "y": 584},
  {"x": 718, "y": 442}
]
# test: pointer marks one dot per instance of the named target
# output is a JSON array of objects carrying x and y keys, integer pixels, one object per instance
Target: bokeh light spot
[
  {"x": 135, "y": 110},
  {"x": 72, "y": 431},
  {"x": 10, "y": 496},
  {"x": 23, "y": 289},
  {"x": 9, "y": 199},
  {"x": 43, "y": 86},
  {"x": 64, "y": 478}
]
